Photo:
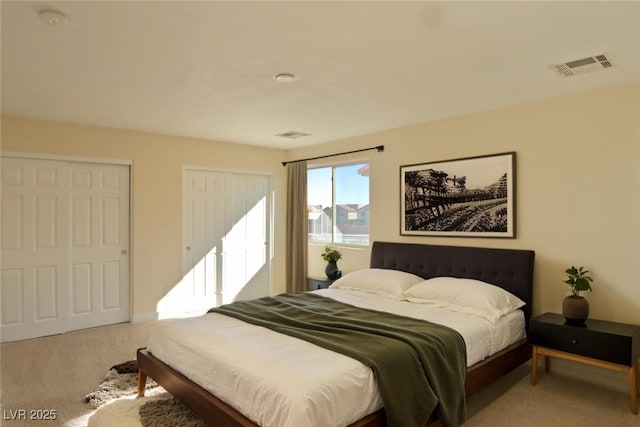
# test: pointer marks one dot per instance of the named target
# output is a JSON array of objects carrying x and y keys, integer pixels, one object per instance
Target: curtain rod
[{"x": 379, "y": 148}]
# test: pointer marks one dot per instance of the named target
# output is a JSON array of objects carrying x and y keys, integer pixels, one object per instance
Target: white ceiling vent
[
  {"x": 292, "y": 135},
  {"x": 584, "y": 65}
]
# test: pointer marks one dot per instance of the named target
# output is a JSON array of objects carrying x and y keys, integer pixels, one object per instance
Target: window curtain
[{"x": 297, "y": 227}]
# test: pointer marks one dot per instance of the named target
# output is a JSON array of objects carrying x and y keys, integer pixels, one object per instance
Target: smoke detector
[
  {"x": 52, "y": 17},
  {"x": 584, "y": 65},
  {"x": 285, "y": 77},
  {"x": 292, "y": 134}
]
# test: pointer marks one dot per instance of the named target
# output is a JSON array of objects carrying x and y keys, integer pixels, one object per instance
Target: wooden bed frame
[{"x": 511, "y": 269}]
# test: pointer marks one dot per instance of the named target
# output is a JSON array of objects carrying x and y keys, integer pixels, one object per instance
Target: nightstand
[
  {"x": 314, "y": 283},
  {"x": 609, "y": 345}
]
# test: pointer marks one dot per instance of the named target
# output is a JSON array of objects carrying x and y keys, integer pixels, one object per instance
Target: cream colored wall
[
  {"x": 578, "y": 189},
  {"x": 156, "y": 192}
]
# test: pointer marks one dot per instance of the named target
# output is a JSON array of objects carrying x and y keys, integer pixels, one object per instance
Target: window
[{"x": 338, "y": 204}]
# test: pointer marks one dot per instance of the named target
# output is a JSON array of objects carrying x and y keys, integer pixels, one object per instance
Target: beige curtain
[{"x": 297, "y": 227}]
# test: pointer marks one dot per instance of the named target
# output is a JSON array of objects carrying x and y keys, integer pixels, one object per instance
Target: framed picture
[{"x": 469, "y": 197}]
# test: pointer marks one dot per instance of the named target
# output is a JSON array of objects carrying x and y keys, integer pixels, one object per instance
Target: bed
[{"x": 509, "y": 269}]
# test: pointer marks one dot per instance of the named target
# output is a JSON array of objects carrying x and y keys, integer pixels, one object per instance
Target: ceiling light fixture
[
  {"x": 285, "y": 77},
  {"x": 52, "y": 17}
]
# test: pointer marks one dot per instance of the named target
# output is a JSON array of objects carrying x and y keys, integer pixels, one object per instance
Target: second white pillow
[
  {"x": 465, "y": 295},
  {"x": 391, "y": 283}
]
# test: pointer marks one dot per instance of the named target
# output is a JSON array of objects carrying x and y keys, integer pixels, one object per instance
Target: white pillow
[
  {"x": 391, "y": 283},
  {"x": 465, "y": 295}
]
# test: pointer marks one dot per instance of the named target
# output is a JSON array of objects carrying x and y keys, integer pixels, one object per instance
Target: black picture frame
[{"x": 464, "y": 197}]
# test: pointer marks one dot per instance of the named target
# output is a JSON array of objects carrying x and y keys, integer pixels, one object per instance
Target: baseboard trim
[{"x": 145, "y": 317}]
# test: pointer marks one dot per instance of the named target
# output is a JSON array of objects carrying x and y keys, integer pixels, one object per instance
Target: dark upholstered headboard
[{"x": 511, "y": 269}]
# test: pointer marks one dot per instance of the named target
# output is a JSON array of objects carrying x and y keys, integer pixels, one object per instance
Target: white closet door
[
  {"x": 98, "y": 256},
  {"x": 65, "y": 243},
  {"x": 206, "y": 204},
  {"x": 246, "y": 272},
  {"x": 226, "y": 220},
  {"x": 33, "y": 275}
]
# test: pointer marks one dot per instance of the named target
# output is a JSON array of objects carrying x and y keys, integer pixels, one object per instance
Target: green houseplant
[
  {"x": 575, "y": 308},
  {"x": 332, "y": 255}
]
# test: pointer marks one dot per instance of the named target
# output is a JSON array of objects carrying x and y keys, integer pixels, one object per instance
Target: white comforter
[{"x": 277, "y": 380}]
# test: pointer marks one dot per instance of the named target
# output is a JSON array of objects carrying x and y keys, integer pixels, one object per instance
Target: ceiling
[{"x": 206, "y": 69}]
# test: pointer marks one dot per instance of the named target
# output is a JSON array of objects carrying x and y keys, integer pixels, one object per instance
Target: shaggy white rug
[
  {"x": 123, "y": 412},
  {"x": 159, "y": 410},
  {"x": 120, "y": 380},
  {"x": 118, "y": 404}
]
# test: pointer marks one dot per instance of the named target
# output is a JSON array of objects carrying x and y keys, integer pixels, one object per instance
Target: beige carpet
[{"x": 57, "y": 372}]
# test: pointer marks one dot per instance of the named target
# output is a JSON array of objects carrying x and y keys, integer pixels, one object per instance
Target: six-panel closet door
[
  {"x": 226, "y": 232},
  {"x": 65, "y": 246}
]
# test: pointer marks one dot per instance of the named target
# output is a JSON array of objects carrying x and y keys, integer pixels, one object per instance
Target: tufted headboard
[{"x": 510, "y": 269}]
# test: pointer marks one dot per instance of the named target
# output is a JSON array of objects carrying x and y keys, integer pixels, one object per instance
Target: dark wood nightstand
[
  {"x": 609, "y": 345},
  {"x": 314, "y": 283}
]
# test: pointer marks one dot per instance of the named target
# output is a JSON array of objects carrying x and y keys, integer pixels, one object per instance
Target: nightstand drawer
[
  {"x": 317, "y": 283},
  {"x": 615, "y": 343}
]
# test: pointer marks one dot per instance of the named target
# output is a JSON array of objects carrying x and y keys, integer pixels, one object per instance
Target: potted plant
[
  {"x": 332, "y": 255},
  {"x": 575, "y": 308}
]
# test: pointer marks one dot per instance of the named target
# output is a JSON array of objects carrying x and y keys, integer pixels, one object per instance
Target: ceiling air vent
[
  {"x": 584, "y": 65},
  {"x": 292, "y": 135}
]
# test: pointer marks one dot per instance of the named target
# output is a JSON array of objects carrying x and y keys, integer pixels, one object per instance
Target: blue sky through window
[{"x": 352, "y": 188}]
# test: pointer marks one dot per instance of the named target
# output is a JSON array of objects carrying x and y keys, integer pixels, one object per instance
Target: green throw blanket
[{"x": 419, "y": 366}]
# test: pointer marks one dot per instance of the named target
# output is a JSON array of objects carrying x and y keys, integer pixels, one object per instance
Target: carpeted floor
[{"x": 55, "y": 373}]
